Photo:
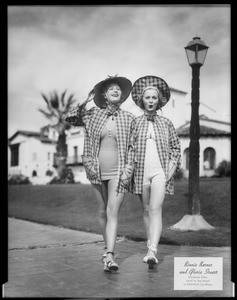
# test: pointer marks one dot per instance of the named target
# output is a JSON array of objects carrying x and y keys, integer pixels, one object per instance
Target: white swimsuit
[{"x": 152, "y": 169}]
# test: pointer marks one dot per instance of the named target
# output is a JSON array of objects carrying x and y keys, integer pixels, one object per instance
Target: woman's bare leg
[
  {"x": 113, "y": 206},
  {"x": 101, "y": 198},
  {"x": 145, "y": 199},
  {"x": 155, "y": 211}
]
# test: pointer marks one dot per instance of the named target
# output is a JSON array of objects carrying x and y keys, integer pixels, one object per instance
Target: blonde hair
[{"x": 149, "y": 87}]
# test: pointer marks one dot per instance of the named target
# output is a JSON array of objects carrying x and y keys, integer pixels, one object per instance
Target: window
[
  {"x": 55, "y": 159},
  {"x": 209, "y": 159},
  {"x": 14, "y": 155},
  {"x": 186, "y": 158},
  {"x": 75, "y": 157}
]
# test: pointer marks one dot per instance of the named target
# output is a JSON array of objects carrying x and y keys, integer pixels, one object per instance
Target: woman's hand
[
  {"x": 172, "y": 169},
  {"x": 88, "y": 99},
  {"x": 127, "y": 172},
  {"x": 126, "y": 175}
]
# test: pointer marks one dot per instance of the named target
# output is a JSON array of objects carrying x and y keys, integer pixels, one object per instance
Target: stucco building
[
  {"x": 215, "y": 145},
  {"x": 33, "y": 153}
]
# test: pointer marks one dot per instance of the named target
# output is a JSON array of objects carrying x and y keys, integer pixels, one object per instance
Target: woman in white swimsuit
[{"x": 157, "y": 151}]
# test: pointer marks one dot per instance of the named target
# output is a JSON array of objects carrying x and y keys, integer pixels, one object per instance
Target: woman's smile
[{"x": 113, "y": 93}]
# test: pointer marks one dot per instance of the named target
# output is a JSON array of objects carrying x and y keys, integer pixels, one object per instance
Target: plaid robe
[
  {"x": 94, "y": 120},
  {"x": 168, "y": 147}
]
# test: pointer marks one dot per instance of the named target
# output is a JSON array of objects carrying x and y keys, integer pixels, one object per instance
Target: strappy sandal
[
  {"x": 110, "y": 265},
  {"x": 151, "y": 259},
  {"x": 146, "y": 257}
]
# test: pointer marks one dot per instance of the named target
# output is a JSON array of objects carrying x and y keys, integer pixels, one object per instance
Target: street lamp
[{"x": 196, "y": 51}]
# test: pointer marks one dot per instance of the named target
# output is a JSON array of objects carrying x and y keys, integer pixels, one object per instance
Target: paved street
[{"x": 48, "y": 261}]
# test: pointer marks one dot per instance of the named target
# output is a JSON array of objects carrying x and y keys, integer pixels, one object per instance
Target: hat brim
[
  {"x": 150, "y": 80},
  {"x": 124, "y": 83}
]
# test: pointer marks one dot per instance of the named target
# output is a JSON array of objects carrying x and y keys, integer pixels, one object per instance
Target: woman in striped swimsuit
[
  {"x": 107, "y": 132},
  {"x": 157, "y": 151}
]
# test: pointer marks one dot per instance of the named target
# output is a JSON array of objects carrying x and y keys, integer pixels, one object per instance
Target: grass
[{"x": 74, "y": 206}]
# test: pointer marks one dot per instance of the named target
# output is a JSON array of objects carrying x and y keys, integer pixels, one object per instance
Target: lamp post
[{"x": 196, "y": 51}]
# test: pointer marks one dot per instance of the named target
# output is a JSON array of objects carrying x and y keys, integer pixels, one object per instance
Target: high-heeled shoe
[
  {"x": 145, "y": 257},
  {"x": 150, "y": 258},
  {"x": 110, "y": 265}
]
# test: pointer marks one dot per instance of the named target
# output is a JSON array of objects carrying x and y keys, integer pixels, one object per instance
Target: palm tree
[{"x": 57, "y": 108}]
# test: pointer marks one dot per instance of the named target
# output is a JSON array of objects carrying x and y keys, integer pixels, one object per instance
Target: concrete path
[{"x": 47, "y": 261}]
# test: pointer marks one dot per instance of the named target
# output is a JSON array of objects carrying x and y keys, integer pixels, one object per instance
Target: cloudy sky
[{"x": 75, "y": 47}]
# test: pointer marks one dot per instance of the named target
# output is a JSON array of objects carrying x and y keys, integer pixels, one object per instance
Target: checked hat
[
  {"x": 149, "y": 80},
  {"x": 99, "y": 89}
]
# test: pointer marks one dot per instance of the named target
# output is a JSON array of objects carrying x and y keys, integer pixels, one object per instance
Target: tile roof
[
  {"x": 204, "y": 131},
  {"x": 177, "y": 91},
  {"x": 34, "y": 134},
  {"x": 203, "y": 117}
]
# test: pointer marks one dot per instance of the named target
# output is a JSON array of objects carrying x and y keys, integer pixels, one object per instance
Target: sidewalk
[{"x": 47, "y": 261}]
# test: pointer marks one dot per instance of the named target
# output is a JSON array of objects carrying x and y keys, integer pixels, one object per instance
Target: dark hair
[
  {"x": 105, "y": 90},
  {"x": 108, "y": 84}
]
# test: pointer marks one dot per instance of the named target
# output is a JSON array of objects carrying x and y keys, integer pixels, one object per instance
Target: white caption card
[{"x": 198, "y": 273}]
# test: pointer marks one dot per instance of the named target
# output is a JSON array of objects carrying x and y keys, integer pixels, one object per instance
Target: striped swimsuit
[{"x": 108, "y": 154}]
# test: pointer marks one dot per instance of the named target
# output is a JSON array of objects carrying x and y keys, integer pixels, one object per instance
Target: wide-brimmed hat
[
  {"x": 124, "y": 83},
  {"x": 154, "y": 81}
]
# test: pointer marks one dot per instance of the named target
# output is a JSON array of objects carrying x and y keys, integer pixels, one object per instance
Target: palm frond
[
  {"x": 45, "y": 113},
  {"x": 57, "y": 106},
  {"x": 70, "y": 101},
  {"x": 45, "y": 99},
  {"x": 54, "y": 100},
  {"x": 56, "y": 112},
  {"x": 62, "y": 97}
]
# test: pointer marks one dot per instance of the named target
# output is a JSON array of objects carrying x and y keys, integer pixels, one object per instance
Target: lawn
[{"x": 74, "y": 206}]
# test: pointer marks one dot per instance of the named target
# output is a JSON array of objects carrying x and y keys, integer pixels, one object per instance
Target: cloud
[{"x": 74, "y": 47}]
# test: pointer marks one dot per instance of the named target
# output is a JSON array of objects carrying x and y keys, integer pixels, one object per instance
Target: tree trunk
[{"x": 61, "y": 154}]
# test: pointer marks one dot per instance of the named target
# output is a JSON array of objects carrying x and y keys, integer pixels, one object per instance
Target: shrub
[
  {"x": 179, "y": 174},
  {"x": 49, "y": 173},
  {"x": 224, "y": 169},
  {"x": 67, "y": 177},
  {"x": 18, "y": 179}
]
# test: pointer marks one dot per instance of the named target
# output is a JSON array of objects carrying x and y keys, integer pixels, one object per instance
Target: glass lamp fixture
[{"x": 196, "y": 51}]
